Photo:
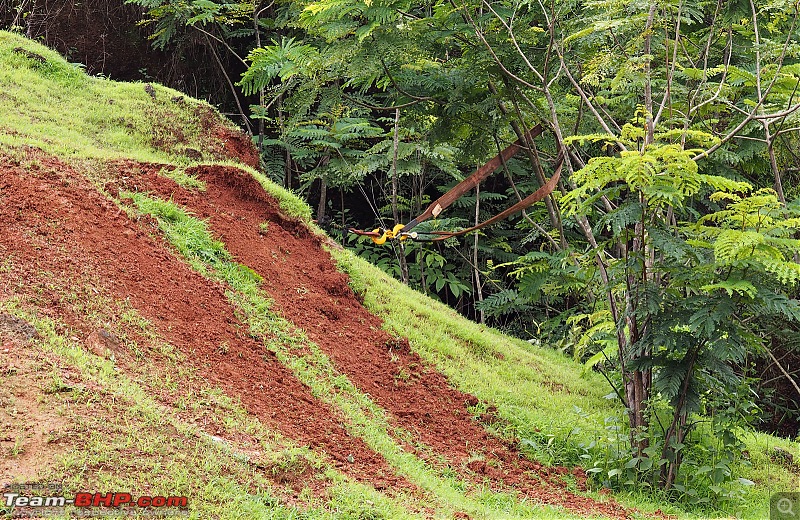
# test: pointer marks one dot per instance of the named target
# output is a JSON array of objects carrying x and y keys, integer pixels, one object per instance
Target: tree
[{"x": 679, "y": 95}]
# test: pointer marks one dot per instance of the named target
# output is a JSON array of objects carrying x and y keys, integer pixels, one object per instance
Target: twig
[{"x": 783, "y": 370}]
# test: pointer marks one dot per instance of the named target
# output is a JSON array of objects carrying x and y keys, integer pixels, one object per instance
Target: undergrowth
[{"x": 557, "y": 411}]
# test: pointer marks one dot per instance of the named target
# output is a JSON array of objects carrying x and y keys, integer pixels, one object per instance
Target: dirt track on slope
[
  {"x": 54, "y": 224},
  {"x": 313, "y": 295}
]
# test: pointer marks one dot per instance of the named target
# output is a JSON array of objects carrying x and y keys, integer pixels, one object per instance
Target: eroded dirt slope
[
  {"x": 53, "y": 223},
  {"x": 314, "y": 296}
]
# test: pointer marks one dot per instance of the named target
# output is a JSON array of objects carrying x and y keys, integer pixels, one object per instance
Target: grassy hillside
[{"x": 111, "y": 194}]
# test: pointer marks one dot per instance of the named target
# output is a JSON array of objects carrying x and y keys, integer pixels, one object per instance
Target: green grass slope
[
  {"x": 543, "y": 398},
  {"x": 534, "y": 396}
]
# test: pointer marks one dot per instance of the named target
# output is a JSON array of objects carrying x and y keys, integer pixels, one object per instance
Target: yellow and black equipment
[{"x": 403, "y": 231}]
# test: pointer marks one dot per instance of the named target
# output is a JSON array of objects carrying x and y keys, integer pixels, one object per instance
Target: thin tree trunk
[
  {"x": 637, "y": 385},
  {"x": 287, "y": 173},
  {"x": 478, "y": 286},
  {"x": 648, "y": 87},
  {"x": 261, "y": 96},
  {"x": 323, "y": 201},
  {"x": 678, "y": 427},
  {"x": 341, "y": 205},
  {"x": 395, "y": 212},
  {"x": 418, "y": 185},
  {"x": 230, "y": 85},
  {"x": 773, "y": 163}
]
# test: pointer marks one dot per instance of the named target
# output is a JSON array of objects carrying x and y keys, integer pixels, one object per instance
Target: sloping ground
[
  {"x": 173, "y": 328},
  {"x": 54, "y": 222}
]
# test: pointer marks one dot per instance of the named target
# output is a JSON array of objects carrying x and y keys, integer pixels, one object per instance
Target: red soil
[
  {"x": 53, "y": 223},
  {"x": 236, "y": 144},
  {"x": 312, "y": 294}
]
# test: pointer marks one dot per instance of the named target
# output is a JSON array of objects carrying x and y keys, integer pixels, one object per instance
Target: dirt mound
[
  {"x": 227, "y": 143},
  {"x": 55, "y": 224},
  {"x": 236, "y": 144},
  {"x": 310, "y": 292}
]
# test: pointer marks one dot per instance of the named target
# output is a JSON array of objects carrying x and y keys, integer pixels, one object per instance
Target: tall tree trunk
[
  {"x": 677, "y": 429},
  {"x": 395, "y": 212},
  {"x": 261, "y": 96},
  {"x": 418, "y": 187},
  {"x": 231, "y": 86},
  {"x": 637, "y": 382},
  {"x": 323, "y": 201},
  {"x": 287, "y": 165},
  {"x": 648, "y": 87},
  {"x": 773, "y": 162}
]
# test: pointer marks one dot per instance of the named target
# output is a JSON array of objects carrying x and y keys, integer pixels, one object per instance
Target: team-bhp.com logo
[
  {"x": 22, "y": 498},
  {"x": 94, "y": 500}
]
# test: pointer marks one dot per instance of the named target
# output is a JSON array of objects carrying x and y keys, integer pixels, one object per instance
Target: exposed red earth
[
  {"x": 54, "y": 224},
  {"x": 310, "y": 292},
  {"x": 53, "y": 220}
]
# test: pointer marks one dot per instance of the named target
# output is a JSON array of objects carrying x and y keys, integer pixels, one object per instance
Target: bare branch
[
  {"x": 783, "y": 370},
  {"x": 586, "y": 100},
  {"x": 510, "y": 30},
  {"x": 496, "y": 59}
]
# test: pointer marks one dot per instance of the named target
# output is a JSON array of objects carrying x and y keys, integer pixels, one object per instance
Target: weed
[
  {"x": 56, "y": 383},
  {"x": 402, "y": 375},
  {"x": 17, "y": 449},
  {"x": 182, "y": 178}
]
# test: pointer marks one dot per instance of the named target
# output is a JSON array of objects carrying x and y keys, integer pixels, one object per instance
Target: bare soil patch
[
  {"x": 53, "y": 221},
  {"x": 30, "y": 430},
  {"x": 310, "y": 292}
]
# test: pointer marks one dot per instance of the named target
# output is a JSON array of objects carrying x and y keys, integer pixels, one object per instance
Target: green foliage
[
  {"x": 706, "y": 480},
  {"x": 710, "y": 279},
  {"x": 429, "y": 269},
  {"x": 281, "y": 60},
  {"x": 170, "y": 17}
]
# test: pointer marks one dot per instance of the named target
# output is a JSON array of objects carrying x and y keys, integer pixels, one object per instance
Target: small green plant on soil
[
  {"x": 18, "y": 448},
  {"x": 184, "y": 179},
  {"x": 56, "y": 383}
]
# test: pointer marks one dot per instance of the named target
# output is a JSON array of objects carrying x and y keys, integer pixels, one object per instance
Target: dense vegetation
[{"x": 667, "y": 258}]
